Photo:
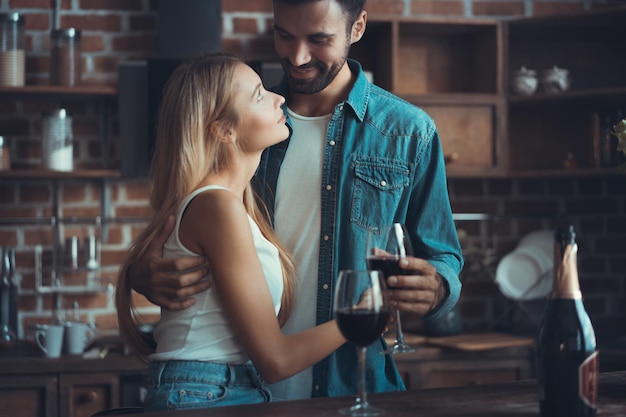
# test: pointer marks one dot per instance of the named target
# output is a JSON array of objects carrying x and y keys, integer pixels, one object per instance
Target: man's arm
[
  {"x": 168, "y": 283},
  {"x": 432, "y": 287}
]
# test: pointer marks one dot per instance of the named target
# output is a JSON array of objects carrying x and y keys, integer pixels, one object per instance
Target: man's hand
[
  {"x": 168, "y": 283},
  {"x": 420, "y": 292}
]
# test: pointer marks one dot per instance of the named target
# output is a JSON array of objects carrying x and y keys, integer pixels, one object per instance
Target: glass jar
[
  {"x": 58, "y": 139},
  {"x": 5, "y": 154},
  {"x": 12, "y": 56},
  {"x": 65, "y": 59}
]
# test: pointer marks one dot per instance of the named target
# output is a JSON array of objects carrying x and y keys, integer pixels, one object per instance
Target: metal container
[{"x": 12, "y": 56}]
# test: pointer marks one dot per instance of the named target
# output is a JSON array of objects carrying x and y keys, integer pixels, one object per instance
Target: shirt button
[
  {"x": 383, "y": 183},
  {"x": 325, "y": 286},
  {"x": 317, "y": 387},
  {"x": 329, "y": 187},
  {"x": 332, "y": 143},
  {"x": 341, "y": 107},
  {"x": 326, "y": 237}
]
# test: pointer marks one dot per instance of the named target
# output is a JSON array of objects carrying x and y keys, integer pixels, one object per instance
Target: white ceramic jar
[
  {"x": 555, "y": 80},
  {"x": 58, "y": 139},
  {"x": 524, "y": 82}
]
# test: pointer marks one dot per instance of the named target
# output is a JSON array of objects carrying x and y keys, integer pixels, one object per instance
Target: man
[{"x": 357, "y": 156}]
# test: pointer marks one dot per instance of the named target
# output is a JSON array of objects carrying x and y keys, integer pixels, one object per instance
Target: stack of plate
[{"x": 527, "y": 272}]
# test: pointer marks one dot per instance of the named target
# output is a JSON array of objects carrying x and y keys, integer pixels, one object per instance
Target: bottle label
[{"x": 588, "y": 380}]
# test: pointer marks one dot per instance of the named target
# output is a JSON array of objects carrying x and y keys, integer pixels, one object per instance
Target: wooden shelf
[
  {"x": 534, "y": 173},
  {"x": 55, "y": 92},
  {"x": 41, "y": 174},
  {"x": 460, "y": 99},
  {"x": 573, "y": 96},
  {"x": 565, "y": 173}
]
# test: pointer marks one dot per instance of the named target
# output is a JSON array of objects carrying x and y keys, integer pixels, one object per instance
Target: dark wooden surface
[
  {"x": 516, "y": 399},
  {"x": 30, "y": 361}
]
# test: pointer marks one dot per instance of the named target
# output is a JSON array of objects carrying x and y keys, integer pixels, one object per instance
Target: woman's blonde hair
[{"x": 198, "y": 93}]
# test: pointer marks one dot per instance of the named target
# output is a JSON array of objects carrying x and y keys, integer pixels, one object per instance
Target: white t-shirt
[
  {"x": 298, "y": 225},
  {"x": 203, "y": 331}
]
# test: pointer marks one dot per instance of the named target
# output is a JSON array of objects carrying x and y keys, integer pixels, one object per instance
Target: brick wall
[{"x": 118, "y": 30}]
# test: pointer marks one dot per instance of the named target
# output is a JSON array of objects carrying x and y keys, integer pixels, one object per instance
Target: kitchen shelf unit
[
  {"x": 104, "y": 97},
  {"x": 458, "y": 70},
  {"x": 451, "y": 68},
  {"x": 543, "y": 127}
]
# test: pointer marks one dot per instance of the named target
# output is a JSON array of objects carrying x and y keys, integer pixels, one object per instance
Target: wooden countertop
[
  {"x": 515, "y": 399},
  {"x": 28, "y": 360}
]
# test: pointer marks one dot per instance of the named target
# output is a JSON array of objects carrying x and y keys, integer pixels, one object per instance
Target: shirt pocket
[{"x": 379, "y": 184}]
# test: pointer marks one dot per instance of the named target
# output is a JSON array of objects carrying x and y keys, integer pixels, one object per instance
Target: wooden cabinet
[
  {"x": 459, "y": 71},
  {"x": 544, "y": 127},
  {"x": 84, "y": 395},
  {"x": 451, "y": 69},
  {"x": 434, "y": 367},
  {"x": 465, "y": 359},
  {"x": 68, "y": 387},
  {"x": 29, "y": 396}
]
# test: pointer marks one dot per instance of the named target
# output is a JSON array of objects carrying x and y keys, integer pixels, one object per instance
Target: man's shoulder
[
  {"x": 383, "y": 99},
  {"x": 386, "y": 107}
]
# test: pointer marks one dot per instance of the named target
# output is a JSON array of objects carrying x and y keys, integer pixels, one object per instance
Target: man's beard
[{"x": 318, "y": 83}]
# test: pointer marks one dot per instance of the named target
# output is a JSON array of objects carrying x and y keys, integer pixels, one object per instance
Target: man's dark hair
[{"x": 352, "y": 8}]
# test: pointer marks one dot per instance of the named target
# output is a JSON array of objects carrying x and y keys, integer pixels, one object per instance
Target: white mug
[
  {"x": 49, "y": 338},
  {"x": 77, "y": 336}
]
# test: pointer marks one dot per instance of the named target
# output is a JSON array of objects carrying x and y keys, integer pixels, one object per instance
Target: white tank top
[{"x": 203, "y": 331}]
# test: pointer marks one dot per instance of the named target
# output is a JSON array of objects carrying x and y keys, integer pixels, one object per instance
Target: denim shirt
[{"x": 382, "y": 163}]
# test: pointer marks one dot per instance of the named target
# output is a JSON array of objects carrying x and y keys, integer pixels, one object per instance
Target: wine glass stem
[
  {"x": 362, "y": 398},
  {"x": 399, "y": 332}
]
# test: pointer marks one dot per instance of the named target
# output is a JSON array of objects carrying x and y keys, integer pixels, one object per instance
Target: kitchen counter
[
  {"x": 28, "y": 360},
  {"x": 515, "y": 399},
  {"x": 69, "y": 386}
]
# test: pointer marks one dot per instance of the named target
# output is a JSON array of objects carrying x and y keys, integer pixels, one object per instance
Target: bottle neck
[{"x": 566, "y": 284}]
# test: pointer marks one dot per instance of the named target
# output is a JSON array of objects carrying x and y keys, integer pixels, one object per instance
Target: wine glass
[
  {"x": 385, "y": 246},
  {"x": 361, "y": 311}
]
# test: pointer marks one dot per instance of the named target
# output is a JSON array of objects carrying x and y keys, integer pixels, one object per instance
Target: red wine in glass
[
  {"x": 388, "y": 265},
  {"x": 385, "y": 246},
  {"x": 361, "y": 327},
  {"x": 360, "y": 306}
]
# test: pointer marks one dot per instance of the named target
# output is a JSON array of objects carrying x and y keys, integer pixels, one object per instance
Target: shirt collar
[{"x": 359, "y": 94}]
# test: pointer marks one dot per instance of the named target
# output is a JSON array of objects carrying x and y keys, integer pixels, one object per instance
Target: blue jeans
[{"x": 184, "y": 385}]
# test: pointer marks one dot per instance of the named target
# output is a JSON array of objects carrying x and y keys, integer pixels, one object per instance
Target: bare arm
[
  {"x": 168, "y": 283},
  {"x": 218, "y": 227}
]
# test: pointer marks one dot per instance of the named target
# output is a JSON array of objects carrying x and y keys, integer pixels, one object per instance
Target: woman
[{"x": 214, "y": 122}]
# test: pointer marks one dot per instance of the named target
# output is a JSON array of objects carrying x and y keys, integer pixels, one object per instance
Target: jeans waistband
[{"x": 203, "y": 372}]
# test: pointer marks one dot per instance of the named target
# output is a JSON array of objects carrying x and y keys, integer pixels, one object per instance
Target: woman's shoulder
[
  {"x": 211, "y": 213},
  {"x": 215, "y": 203}
]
